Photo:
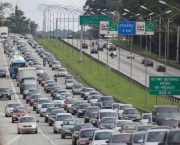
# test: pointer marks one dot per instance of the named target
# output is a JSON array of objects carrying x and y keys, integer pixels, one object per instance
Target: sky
[{"x": 29, "y": 7}]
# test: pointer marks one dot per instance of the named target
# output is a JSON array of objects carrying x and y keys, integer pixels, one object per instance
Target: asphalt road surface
[{"x": 8, "y": 130}]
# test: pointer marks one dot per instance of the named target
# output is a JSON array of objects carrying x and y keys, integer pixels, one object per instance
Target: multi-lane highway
[{"x": 8, "y": 130}]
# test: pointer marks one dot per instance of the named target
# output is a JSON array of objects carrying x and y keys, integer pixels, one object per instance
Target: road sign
[
  {"x": 149, "y": 28},
  {"x": 126, "y": 28},
  {"x": 103, "y": 27},
  {"x": 92, "y": 20},
  {"x": 113, "y": 27},
  {"x": 140, "y": 28},
  {"x": 160, "y": 85}
]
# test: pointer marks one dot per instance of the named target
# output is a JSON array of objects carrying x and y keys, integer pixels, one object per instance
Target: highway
[
  {"x": 138, "y": 69},
  {"x": 8, "y": 130}
]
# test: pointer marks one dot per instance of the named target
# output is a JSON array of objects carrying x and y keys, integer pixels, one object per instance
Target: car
[
  {"x": 148, "y": 62},
  {"x": 94, "y": 50},
  {"x": 69, "y": 83},
  {"x": 100, "y": 137},
  {"x": 68, "y": 77},
  {"x": 129, "y": 127},
  {"x": 81, "y": 109},
  {"x": 136, "y": 138},
  {"x": 55, "y": 92},
  {"x": 100, "y": 48},
  {"x": 84, "y": 45},
  {"x": 118, "y": 124},
  {"x": 93, "y": 100},
  {"x": 76, "y": 88},
  {"x": 112, "y": 48},
  {"x": 39, "y": 70},
  {"x": 40, "y": 102},
  {"x": 69, "y": 104},
  {"x": 145, "y": 118},
  {"x": 77, "y": 128},
  {"x": 92, "y": 93},
  {"x": 107, "y": 104},
  {"x": 5, "y": 93},
  {"x": 61, "y": 72},
  {"x": 161, "y": 68},
  {"x": 104, "y": 98},
  {"x": 88, "y": 111},
  {"x": 70, "y": 37},
  {"x": 107, "y": 122},
  {"x": 86, "y": 92},
  {"x": 131, "y": 114},
  {"x": 56, "y": 65},
  {"x": 84, "y": 135},
  {"x": 115, "y": 106},
  {"x": 49, "y": 87},
  {"x": 154, "y": 136},
  {"x": 2, "y": 73},
  {"x": 67, "y": 127},
  {"x": 9, "y": 107},
  {"x": 30, "y": 93},
  {"x": 48, "y": 82},
  {"x": 54, "y": 88},
  {"x": 145, "y": 127},
  {"x": 59, "y": 100},
  {"x": 118, "y": 138},
  {"x": 130, "y": 55},
  {"x": 121, "y": 109},
  {"x": 48, "y": 112},
  {"x": 44, "y": 107},
  {"x": 60, "y": 117},
  {"x": 52, "y": 115},
  {"x": 93, "y": 118},
  {"x": 27, "y": 124},
  {"x": 33, "y": 97},
  {"x": 19, "y": 111}
]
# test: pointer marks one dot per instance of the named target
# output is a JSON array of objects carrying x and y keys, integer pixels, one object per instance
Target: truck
[
  {"x": 29, "y": 84},
  {"x": 4, "y": 32},
  {"x": 28, "y": 73}
]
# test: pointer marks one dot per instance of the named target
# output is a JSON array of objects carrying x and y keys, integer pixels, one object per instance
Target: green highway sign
[
  {"x": 160, "y": 85},
  {"x": 113, "y": 26},
  {"x": 92, "y": 20},
  {"x": 149, "y": 26}
]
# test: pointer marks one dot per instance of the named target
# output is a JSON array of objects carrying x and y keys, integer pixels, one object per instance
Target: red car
[
  {"x": 19, "y": 111},
  {"x": 43, "y": 81},
  {"x": 85, "y": 134},
  {"x": 33, "y": 97}
]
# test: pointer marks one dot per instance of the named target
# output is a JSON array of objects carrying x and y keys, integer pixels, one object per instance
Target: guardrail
[{"x": 114, "y": 70}]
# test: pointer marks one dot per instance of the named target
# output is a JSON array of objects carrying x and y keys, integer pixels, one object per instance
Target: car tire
[
  {"x": 55, "y": 131},
  {"x": 12, "y": 121},
  {"x": 127, "y": 57},
  {"x": 19, "y": 132},
  {"x": 30, "y": 104},
  {"x": 33, "y": 109},
  {"x": 46, "y": 91},
  {"x": 62, "y": 136},
  {"x": 10, "y": 98},
  {"x": 41, "y": 115},
  {"x": 52, "y": 69},
  {"x": 36, "y": 132},
  {"x": 50, "y": 124},
  {"x": 6, "y": 115},
  {"x": 67, "y": 111},
  {"x": 45, "y": 120}
]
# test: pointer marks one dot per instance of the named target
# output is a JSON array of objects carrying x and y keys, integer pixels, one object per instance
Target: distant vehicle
[
  {"x": 70, "y": 37},
  {"x": 131, "y": 114},
  {"x": 130, "y": 55},
  {"x": 136, "y": 138},
  {"x": 100, "y": 47},
  {"x": 2, "y": 73},
  {"x": 9, "y": 107},
  {"x": 112, "y": 47},
  {"x": 129, "y": 127},
  {"x": 161, "y": 68},
  {"x": 4, "y": 32},
  {"x": 5, "y": 93},
  {"x": 94, "y": 50},
  {"x": 148, "y": 62},
  {"x": 61, "y": 72},
  {"x": 84, "y": 45},
  {"x": 56, "y": 65}
]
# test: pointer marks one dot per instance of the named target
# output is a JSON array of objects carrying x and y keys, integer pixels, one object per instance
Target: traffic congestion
[{"x": 46, "y": 92}]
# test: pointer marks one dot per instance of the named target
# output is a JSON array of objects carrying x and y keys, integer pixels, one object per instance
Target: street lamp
[
  {"x": 92, "y": 13},
  {"x": 97, "y": 9},
  {"x": 104, "y": 10}
]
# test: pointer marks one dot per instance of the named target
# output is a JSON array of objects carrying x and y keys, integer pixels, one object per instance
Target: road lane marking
[
  {"x": 21, "y": 104},
  {"x": 14, "y": 139}
]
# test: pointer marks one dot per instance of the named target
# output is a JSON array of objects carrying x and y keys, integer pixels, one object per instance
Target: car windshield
[
  {"x": 70, "y": 122},
  {"x": 30, "y": 86},
  {"x": 156, "y": 136},
  {"x": 13, "y": 105},
  {"x": 89, "y": 110},
  {"x": 168, "y": 116},
  {"x": 118, "y": 138},
  {"x": 39, "y": 68},
  {"x": 51, "y": 85},
  {"x": 47, "y": 105},
  {"x": 107, "y": 99},
  {"x": 56, "y": 63},
  {"x": 124, "y": 107},
  {"x": 146, "y": 116},
  {"x": 34, "y": 91},
  {"x": 119, "y": 123},
  {"x": 95, "y": 97},
  {"x": 108, "y": 120},
  {"x": 145, "y": 128},
  {"x": 107, "y": 103},
  {"x": 17, "y": 65},
  {"x": 54, "y": 112},
  {"x": 35, "y": 96},
  {"x": 4, "y": 90},
  {"x": 70, "y": 101},
  {"x": 78, "y": 103},
  {"x": 26, "y": 119},
  {"x": 107, "y": 114},
  {"x": 78, "y": 86},
  {"x": 69, "y": 77},
  {"x": 115, "y": 106},
  {"x": 60, "y": 92},
  {"x": 60, "y": 98},
  {"x": 87, "y": 133},
  {"x": 174, "y": 138},
  {"x": 89, "y": 90},
  {"x": 130, "y": 126},
  {"x": 131, "y": 111},
  {"x": 81, "y": 126},
  {"x": 20, "y": 110},
  {"x": 83, "y": 106},
  {"x": 63, "y": 117},
  {"x": 62, "y": 70},
  {"x": 138, "y": 137},
  {"x": 1, "y": 70},
  {"x": 94, "y": 115},
  {"x": 49, "y": 110},
  {"x": 44, "y": 101},
  {"x": 102, "y": 135}
]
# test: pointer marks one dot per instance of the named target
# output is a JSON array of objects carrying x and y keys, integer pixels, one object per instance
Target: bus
[
  {"x": 15, "y": 54},
  {"x": 15, "y": 63}
]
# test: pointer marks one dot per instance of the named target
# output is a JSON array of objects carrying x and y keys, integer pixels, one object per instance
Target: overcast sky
[{"x": 29, "y": 7}]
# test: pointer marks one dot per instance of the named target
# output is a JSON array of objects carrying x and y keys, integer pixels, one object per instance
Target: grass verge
[{"x": 89, "y": 70}]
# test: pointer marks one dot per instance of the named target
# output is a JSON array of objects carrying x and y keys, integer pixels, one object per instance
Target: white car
[
  {"x": 114, "y": 53},
  {"x": 117, "y": 125},
  {"x": 61, "y": 72},
  {"x": 108, "y": 45},
  {"x": 59, "y": 100},
  {"x": 130, "y": 55},
  {"x": 56, "y": 65},
  {"x": 145, "y": 118},
  {"x": 44, "y": 107},
  {"x": 39, "y": 70},
  {"x": 40, "y": 102},
  {"x": 9, "y": 107},
  {"x": 122, "y": 107},
  {"x": 70, "y": 83},
  {"x": 101, "y": 136},
  {"x": 93, "y": 99}
]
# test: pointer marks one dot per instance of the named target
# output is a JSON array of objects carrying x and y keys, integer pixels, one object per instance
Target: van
[{"x": 106, "y": 113}]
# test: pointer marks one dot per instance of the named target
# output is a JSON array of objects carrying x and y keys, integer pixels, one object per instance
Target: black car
[
  {"x": 112, "y": 47},
  {"x": 87, "y": 114},
  {"x": 148, "y": 62},
  {"x": 100, "y": 47},
  {"x": 84, "y": 45},
  {"x": 161, "y": 67},
  {"x": 70, "y": 37},
  {"x": 81, "y": 109},
  {"x": 5, "y": 93},
  {"x": 94, "y": 50},
  {"x": 77, "y": 129},
  {"x": 2, "y": 73}
]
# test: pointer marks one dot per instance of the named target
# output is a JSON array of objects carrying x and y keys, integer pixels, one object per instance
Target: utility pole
[
  {"x": 177, "y": 51},
  {"x": 160, "y": 38}
]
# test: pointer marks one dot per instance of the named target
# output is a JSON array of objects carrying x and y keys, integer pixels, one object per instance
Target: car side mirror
[
  {"x": 37, "y": 121},
  {"x": 107, "y": 141}
]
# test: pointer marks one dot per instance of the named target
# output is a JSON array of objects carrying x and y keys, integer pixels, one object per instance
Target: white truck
[
  {"x": 4, "y": 32},
  {"x": 27, "y": 73}
]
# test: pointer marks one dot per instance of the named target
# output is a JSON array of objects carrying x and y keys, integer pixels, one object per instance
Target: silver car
[
  {"x": 44, "y": 107},
  {"x": 70, "y": 83},
  {"x": 76, "y": 88},
  {"x": 61, "y": 72},
  {"x": 56, "y": 65},
  {"x": 9, "y": 107}
]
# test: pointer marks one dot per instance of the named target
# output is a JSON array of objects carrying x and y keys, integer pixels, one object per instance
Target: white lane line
[
  {"x": 21, "y": 104},
  {"x": 9, "y": 76},
  {"x": 14, "y": 139}
]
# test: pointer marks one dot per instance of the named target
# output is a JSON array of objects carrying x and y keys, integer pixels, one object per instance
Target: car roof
[
  {"x": 13, "y": 103},
  {"x": 107, "y": 110},
  {"x": 104, "y": 130},
  {"x": 26, "y": 116},
  {"x": 92, "y": 107},
  {"x": 63, "y": 114},
  {"x": 156, "y": 130},
  {"x": 119, "y": 133},
  {"x": 84, "y": 129},
  {"x": 43, "y": 98},
  {"x": 48, "y": 103}
]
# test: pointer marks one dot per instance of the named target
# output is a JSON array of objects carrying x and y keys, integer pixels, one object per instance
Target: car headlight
[
  {"x": 34, "y": 125},
  {"x": 80, "y": 111}
]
